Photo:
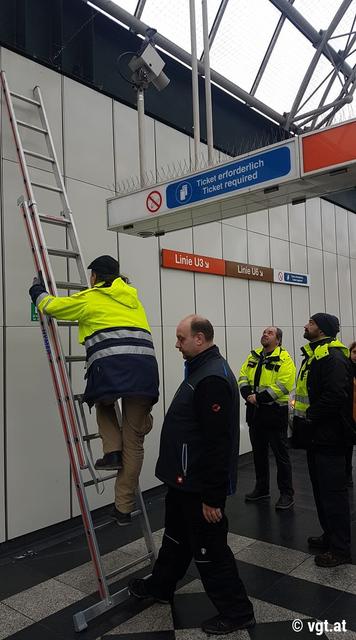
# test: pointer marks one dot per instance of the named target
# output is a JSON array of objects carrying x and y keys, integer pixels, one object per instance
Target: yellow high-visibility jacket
[
  {"x": 97, "y": 308},
  {"x": 276, "y": 380},
  {"x": 114, "y": 329}
]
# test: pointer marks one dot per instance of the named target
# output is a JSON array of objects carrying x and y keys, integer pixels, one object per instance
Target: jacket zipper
[{"x": 184, "y": 459}]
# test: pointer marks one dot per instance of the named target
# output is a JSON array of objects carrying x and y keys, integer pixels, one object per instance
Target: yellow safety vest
[
  {"x": 321, "y": 351},
  {"x": 277, "y": 374}
]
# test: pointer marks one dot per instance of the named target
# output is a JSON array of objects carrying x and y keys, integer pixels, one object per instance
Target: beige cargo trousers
[{"x": 128, "y": 438}]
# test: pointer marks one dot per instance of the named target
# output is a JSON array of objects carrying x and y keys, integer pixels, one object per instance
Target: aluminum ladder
[{"x": 77, "y": 437}]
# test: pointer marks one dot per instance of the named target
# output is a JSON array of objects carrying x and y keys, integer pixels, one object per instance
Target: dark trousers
[
  {"x": 348, "y": 456},
  {"x": 328, "y": 477},
  {"x": 188, "y": 535},
  {"x": 261, "y": 436}
]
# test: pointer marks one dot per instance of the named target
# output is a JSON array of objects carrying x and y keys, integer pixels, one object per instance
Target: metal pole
[
  {"x": 195, "y": 85},
  {"x": 208, "y": 104},
  {"x": 141, "y": 135}
]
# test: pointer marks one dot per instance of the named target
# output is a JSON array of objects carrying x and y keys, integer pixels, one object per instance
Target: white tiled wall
[
  {"x": 37, "y": 463},
  {"x": 2, "y": 456},
  {"x": 98, "y": 141}
]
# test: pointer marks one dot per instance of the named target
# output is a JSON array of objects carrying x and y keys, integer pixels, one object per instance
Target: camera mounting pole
[{"x": 147, "y": 66}]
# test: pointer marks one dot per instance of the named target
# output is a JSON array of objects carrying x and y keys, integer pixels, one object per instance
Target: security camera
[{"x": 149, "y": 64}]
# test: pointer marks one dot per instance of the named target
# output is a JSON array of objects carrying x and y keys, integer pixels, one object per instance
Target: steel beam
[{"x": 139, "y": 9}]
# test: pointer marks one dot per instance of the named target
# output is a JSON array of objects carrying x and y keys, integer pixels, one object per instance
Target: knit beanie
[{"x": 327, "y": 323}]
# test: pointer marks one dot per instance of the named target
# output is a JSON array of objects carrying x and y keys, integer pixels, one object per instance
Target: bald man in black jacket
[{"x": 198, "y": 461}]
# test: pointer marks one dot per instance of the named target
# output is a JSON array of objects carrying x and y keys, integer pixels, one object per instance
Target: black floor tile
[
  {"x": 37, "y": 631},
  {"x": 284, "y": 631},
  {"x": 17, "y": 576},
  {"x": 149, "y": 635},
  {"x": 309, "y": 598},
  {"x": 288, "y": 528},
  {"x": 258, "y": 579},
  {"x": 344, "y": 608},
  {"x": 190, "y": 609}
]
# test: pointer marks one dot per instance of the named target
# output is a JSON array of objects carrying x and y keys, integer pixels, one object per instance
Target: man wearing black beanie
[{"x": 323, "y": 425}]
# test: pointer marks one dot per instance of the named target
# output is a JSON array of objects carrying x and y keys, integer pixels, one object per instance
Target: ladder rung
[
  {"x": 67, "y": 323},
  {"x": 75, "y": 358},
  {"x": 33, "y": 127},
  {"x": 90, "y": 483},
  {"x": 49, "y": 187},
  {"x": 129, "y": 565},
  {"x": 34, "y": 154},
  {"x": 57, "y": 220},
  {"x": 25, "y": 98},
  {"x": 71, "y": 285},
  {"x": 91, "y": 436},
  {"x": 63, "y": 253}
]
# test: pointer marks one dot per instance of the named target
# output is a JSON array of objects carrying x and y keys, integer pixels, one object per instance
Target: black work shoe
[
  {"x": 331, "y": 559},
  {"x": 285, "y": 502},
  {"x": 122, "y": 519},
  {"x": 109, "y": 462},
  {"x": 221, "y": 625},
  {"x": 318, "y": 542},
  {"x": 256, "y": 494},
  {"x": 140, "y": 589}
]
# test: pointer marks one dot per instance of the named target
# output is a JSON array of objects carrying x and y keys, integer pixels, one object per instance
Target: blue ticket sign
[
  {"x": 288, "y": 277},
  {"x": 242, "y": 174},
  {"x": 296, "y": 278}
]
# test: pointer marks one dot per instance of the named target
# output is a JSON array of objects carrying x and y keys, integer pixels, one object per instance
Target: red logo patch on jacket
[{"x": 215, "y": 407}]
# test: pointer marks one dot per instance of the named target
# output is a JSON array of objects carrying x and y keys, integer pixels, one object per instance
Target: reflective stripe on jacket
[{"x": 277, "y": 376}]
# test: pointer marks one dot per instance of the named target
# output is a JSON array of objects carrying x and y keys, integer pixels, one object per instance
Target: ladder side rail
[
  {"x": 68, "y": 436},
  {"x": 82, "y": 421},
  {"x": 146, "y": 528},
  {"x": 42, "y": 263},
  {"x": 17, "y": 138},
  {"x": 60, "y": 182}
]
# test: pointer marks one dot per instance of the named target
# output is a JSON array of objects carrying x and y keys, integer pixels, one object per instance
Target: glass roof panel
[
  {"x": 285, "y": 70},
  {"x": 346, "y": 24},
  {"x": 128, "y": 5},
  {"x": 318, "y": 84},
  {"x": 242, "y": 39},
  {"x": 318, "y": 12},
  {"x": 171, "y": 19}
]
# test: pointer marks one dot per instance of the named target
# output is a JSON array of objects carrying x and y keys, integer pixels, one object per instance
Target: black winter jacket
[
  {"x": 200, "y": 435},
  {"x": 330, "y": 390}
]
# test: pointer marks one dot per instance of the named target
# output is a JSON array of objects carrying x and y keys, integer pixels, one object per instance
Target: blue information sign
[
  {"x": 295, "y": 278},
  {"x": 238, "y": 175}
]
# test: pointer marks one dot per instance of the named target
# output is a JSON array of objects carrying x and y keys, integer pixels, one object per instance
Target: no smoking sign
[{"x": 153, "y": 201}]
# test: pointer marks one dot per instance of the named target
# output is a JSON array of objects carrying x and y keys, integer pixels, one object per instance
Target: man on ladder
[{"x": 121, "y": 363}]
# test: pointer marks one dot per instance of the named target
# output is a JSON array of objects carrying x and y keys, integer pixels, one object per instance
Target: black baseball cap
[{"x": 105, "y": 265}]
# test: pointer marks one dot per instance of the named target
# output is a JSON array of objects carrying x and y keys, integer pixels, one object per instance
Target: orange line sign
[
  {"x": 329, "y": 148},
  {"x": 192, "y": 262}
]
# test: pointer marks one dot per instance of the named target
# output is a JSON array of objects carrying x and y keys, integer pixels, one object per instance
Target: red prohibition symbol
[{"x": 153, "y": 201}]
